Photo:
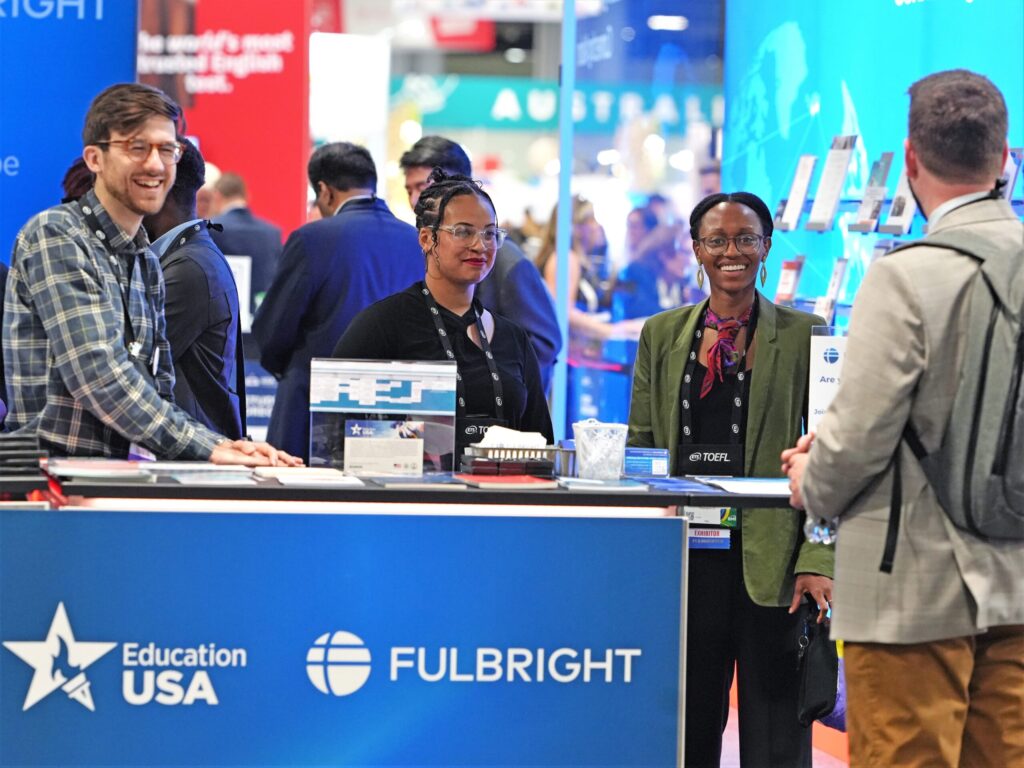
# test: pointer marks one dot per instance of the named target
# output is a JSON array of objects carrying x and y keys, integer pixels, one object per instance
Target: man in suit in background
[
  {"x": 201, "y": 304},
  {"x": 356, "y": 254},
  {"x": 244, "y": 233},
  {"x": 514, "y": 287},
  {"x": 934, "y": 649}
]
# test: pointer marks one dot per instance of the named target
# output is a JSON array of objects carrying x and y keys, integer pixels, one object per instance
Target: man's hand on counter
[{"x": 251, "y": 454}]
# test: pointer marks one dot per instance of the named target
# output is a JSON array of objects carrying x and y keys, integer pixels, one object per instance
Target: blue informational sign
[
  {"x": 54, "y": 58},
  {"x": 798, "y": 74},
  {"x": 356, "y": 640}
]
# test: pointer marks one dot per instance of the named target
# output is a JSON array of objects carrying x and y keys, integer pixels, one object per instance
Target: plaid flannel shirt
[{"x": 70, "y": 379}]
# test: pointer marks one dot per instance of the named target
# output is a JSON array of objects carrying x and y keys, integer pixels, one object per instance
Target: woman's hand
[{"x": 818, "y": 587}]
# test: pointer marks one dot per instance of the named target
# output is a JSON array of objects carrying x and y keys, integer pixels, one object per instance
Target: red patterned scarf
[{"x": 723, "y": 353}]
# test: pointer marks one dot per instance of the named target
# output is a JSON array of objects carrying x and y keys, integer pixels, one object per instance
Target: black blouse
[
  {"x": 712, "y": 415},
  {"x": 399, "y": 327}
]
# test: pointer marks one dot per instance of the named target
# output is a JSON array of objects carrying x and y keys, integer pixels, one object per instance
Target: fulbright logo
[{"x": 338, "y": 664}]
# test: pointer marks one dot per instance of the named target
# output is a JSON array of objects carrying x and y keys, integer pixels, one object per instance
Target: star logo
[
  {"x": 59, "y": 661},
  {"x": 356, "y": 430}
]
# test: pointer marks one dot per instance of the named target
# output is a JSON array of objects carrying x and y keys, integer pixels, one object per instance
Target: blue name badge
[
  {"x": 647, "y": 462},
  {"x": 709, "y": 538}
]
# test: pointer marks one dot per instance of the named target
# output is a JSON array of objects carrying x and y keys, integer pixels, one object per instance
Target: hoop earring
[
  {"x": 700, "y": 276},
  {"x": 764, "y": 274}
]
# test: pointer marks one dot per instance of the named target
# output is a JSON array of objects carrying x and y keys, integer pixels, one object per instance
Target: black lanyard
[
  {"x": 689, "y": 386},
  {"x": 134, "y": 347},
  {"x": 435, "y": 315}
]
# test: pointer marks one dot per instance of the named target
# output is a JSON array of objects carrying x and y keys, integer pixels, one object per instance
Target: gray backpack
[{"x": 978, "y": 471}]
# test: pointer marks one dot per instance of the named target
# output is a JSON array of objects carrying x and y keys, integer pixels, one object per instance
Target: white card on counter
[{"x": 377, "y": 456}]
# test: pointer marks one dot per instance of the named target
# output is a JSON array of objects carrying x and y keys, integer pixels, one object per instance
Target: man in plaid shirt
[{"x": 87, "y": 362}]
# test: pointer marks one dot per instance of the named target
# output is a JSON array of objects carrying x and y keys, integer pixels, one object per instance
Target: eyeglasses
[
  {"x": 492, "y": 237},
  {"x": 716, "y": 245},
  {"x": 138, "y": 150}
]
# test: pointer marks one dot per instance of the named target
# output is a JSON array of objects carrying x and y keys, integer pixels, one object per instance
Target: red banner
[{"x": 241, "y": 71}]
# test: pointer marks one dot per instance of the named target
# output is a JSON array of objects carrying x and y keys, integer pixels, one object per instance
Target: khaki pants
[{"x": 957, "y": 702}]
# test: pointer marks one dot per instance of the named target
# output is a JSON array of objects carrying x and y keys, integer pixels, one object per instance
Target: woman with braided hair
[{"x": 439, "y": 318}]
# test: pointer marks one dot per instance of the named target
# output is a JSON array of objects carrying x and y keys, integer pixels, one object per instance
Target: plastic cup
[{"x": 600, "y": 449}]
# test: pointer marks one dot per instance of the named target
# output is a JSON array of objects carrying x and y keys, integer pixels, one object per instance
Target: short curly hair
[{"x": 958, "y": 126}]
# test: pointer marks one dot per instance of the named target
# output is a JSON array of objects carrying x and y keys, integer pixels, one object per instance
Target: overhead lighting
[
  {"x": 654, "y": 144},
  {"x": 608, "y": 156},
  {"x": 410, "y": 131},
  {"x": 515, "y": 55},
  {"x": 552, "y": 167},
  {"x": 668, "y": 23},
  {"x": 683, "y": 160}
]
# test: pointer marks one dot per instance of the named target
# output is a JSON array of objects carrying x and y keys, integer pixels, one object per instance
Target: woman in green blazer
[{"x": 723, "y": 386}]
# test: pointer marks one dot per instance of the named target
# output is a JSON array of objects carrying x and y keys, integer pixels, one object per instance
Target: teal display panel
[{"x": 798, "y": 73}]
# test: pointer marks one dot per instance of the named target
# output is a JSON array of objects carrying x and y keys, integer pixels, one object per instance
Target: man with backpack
[{"x": 919, "y": 461}]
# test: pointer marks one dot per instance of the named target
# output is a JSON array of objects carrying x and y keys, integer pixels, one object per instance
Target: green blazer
[{"x": 774, "y": 548}]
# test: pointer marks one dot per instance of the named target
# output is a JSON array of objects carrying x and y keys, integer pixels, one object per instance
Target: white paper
[
  {"x": 870, "y": 210},
  {"x": 825, "y": 306},
  {"x": 794, "y": 204},
  {"x": 749, "y": 486},
  {"x": 241, "y": 270},
  {"x": 376, "y": 456},
  {"x": 830, "y": 187},
  {"x": 503, "y": 437},
  {"x": 902, "y": 210},
  {"x": 1014, "y": 160}
]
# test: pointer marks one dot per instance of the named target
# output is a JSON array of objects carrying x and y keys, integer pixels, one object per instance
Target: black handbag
[{"x": 818, "y": 665}]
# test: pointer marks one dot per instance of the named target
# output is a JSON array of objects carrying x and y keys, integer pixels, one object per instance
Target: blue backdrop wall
[{"x": 54, "y": 58}]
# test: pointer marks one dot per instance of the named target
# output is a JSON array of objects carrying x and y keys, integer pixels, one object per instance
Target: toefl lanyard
[
  {"x": 739, "y": 393},
  {"x": 435, "y": 315},
  {"x": 134, "y": 346}
]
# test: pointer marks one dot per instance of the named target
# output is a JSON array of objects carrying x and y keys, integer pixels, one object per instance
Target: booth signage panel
[
  {"x": 523, "y": 104},
  {"x": 54, "y": 58},
  {"x": 828, "y": 350},
  {"x": 276, "y": 639}
]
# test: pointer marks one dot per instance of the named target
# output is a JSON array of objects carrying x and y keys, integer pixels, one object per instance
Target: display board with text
[{"x": 319, "y": 639}]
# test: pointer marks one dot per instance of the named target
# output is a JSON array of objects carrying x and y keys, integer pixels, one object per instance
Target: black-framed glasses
[
  {"x": 492, "y": 237},
  {"x": 138, "y": 150},
  {"x": 716, "y": 245}
]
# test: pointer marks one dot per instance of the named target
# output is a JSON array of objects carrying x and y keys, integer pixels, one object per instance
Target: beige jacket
[{"x": 902, "y": 360}]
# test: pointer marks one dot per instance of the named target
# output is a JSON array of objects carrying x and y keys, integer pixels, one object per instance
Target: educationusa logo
[
  {"x": 152, "y": 674},
  {"x": 831, "y": 355},
  {"x": 59, "y": 662},
  {"x": 338, "y": 664}
]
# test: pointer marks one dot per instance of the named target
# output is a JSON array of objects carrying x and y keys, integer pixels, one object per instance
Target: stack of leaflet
[{"x": 19, "y": 462}]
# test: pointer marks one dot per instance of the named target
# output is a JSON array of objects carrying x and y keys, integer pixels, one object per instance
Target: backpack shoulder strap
[{"x": 952, "y": 241}]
